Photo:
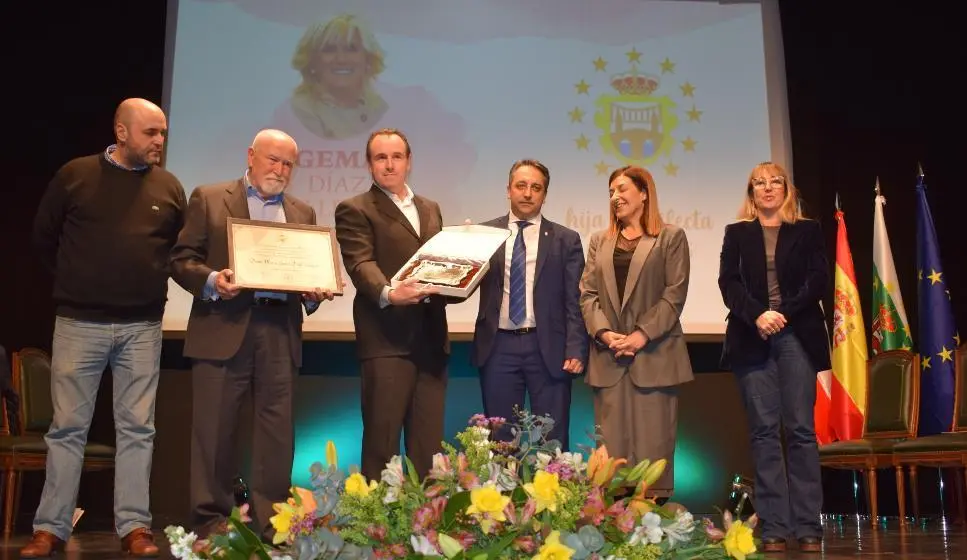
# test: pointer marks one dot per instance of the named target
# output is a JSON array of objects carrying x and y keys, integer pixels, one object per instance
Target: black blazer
[{"x": 803, "y": 272}]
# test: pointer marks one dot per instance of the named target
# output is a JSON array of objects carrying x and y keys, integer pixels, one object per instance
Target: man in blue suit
[{"x": 530, "y": 337}]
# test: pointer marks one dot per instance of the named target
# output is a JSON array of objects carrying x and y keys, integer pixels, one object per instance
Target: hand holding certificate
[{"x": 283, "y": 258}]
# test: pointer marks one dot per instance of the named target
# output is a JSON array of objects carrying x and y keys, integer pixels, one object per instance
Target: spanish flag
[{"x": 841, "y": 395}]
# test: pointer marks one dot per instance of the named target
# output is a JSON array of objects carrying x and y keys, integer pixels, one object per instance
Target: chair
[
  {"x": 892, "y": 411},
  {"x": 948, "y": 449},
  {"x": 27, "y": 450}
]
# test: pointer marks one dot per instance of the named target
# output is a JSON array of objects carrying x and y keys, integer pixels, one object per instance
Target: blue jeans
[
  {"x": 781, "y": 394},
  {"x": 81, "y": 351}
]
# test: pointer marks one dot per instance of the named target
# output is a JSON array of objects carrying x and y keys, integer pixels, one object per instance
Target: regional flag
[{"x": 889, "y": 325}]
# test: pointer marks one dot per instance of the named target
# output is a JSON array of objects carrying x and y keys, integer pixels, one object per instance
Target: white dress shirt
[{"x": 532, "y": 235}]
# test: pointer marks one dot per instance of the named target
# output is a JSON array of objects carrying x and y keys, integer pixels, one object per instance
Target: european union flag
[{"x": 938, "y": 335}]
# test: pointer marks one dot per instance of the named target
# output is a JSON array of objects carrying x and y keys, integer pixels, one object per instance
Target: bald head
[
  {"x": 140, "y": 127},
  {"x": 273, "y": 136},
  {"x": 135, "y": 107},
  {"x": 271, "y": 159}
]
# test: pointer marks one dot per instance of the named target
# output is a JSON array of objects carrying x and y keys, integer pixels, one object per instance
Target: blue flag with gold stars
[{"x": 938, "y": 334}]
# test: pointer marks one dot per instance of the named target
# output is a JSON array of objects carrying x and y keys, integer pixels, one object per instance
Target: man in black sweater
[{"x": 104, "y": 229}]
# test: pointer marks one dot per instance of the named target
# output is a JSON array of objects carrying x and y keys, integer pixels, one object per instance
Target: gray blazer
[
  {"x": 654, "y": 298},
  {"x": 216, "y": 328}
]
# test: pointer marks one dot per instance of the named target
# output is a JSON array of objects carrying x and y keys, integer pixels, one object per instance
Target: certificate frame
[{"x": 284, "y": 257}]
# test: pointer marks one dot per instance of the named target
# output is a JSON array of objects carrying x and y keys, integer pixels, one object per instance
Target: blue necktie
[{"x": 518, "y": 276}]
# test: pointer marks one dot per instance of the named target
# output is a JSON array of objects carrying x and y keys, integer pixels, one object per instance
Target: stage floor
[{"x": 846, "y": 537}]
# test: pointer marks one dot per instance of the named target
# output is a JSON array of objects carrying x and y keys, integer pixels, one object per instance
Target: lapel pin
[{"x": 155, "y": 209}]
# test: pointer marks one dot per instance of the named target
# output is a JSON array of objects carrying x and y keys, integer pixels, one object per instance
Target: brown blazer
[
  {"x": 216, "y": 328},
  {"x": 654, "y": 298},
  {"x": 376, "y": 240}
]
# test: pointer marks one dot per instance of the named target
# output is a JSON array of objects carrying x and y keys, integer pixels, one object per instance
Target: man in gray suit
[{"x": 241, "y": 339}]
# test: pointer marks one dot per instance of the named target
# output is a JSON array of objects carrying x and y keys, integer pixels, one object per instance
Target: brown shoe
[
  {"x": 811, "y": 544},
  {"x": 42, "y": 545},
  {"x": 139, "y": 543},
  {"x": 773, "y": 544}
]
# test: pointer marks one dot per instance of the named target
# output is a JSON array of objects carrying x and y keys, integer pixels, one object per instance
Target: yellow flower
[
  {"x": 552, "y": 549},
  {"x": 356, "y": 485},
  {"x": 738, "y": 541},
  {"x": 289, "y": 513},
  {"x": 546, "y": 489},
  {"x": 487, "y": 504},
  {"x": 282, "y": 521}
]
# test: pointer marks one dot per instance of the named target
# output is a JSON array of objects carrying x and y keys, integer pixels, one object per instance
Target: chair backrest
[
  {"x": 960, "y": 389},
  {"x": 31, "y": 378},
  {"x": 892, "y": 395}
]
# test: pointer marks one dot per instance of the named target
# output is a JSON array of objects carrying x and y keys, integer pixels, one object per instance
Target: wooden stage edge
[
  {"x": 845, "y": 537},
  {"x": 460, "y": 336}
]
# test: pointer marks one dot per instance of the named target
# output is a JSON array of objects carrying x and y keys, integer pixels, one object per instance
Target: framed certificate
[{"x": 282, "y": 257}]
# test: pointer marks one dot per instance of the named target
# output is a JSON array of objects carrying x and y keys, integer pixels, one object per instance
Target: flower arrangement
[{"x": 483, "y": 499}]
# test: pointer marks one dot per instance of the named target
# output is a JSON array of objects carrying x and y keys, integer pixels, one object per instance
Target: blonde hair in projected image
[
  {"x": 791, "y": 209},
  {"x": 338, "y": 30}
]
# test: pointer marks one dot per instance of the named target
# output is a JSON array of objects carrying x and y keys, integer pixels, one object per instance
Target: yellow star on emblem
[
  {"x": 633, "y": 55},
  {"x": 906, "y": 330},
  {"x": 582, "y": 87},
  {"x": 934, "y": 277},
  {"x": 888, "y": 287},
  {"x": 957, "y": 338},
  {"x": 671, "y": 169},
  {"x": 920, "y": 274},
  {"x": 694, "y": 114},
  {"x": 687, "y": 89},
  {"x": 667, "y": 66},
  {"x": 925, "y": 362},
  {"x": 601, "y": 167},
  {"x": 907, "y": 348},
  {"x": 582, "y": 142},
  {"x": 944, "y": 355},
  {"x": 876, "y": 283},
  {"x": 689, "y": 144},
  {"x": 576, "y": 115},
  {"x": 599, "y": 64}
]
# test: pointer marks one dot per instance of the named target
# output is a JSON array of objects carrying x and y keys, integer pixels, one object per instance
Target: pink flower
[
  {"x": 625, "y": 521},
  {"x": 465, "y": 538},
  {"x": 713, "y": 533},
  {"x": 530, "y": 506},
  {"x": 525, "y": 544},
  {"x": 376, "y": 532},
  {"x": 563, "y": 470},
  {"x": 594, "y": 507}
]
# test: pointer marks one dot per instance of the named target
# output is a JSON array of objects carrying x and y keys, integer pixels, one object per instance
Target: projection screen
[{"x": 692, "y": 90}]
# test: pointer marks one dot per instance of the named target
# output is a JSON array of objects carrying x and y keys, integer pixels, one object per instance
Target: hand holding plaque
[
  {"x": 283, "y": 257},
  {"x": 454, "y": 260}
]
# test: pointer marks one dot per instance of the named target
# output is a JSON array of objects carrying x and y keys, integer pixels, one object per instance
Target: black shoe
[
  {"x": 773, "y": 544},
  {"x": 811, "y": 544}
]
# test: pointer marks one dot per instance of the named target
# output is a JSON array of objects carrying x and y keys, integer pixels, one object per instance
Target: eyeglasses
[{"x": 775, "y": 182}]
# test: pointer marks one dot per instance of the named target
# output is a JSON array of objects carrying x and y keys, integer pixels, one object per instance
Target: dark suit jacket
[
  {"x": 654, "y": 298},
  {"x": 560, "y": 328},
  {"x": 216, "y": 328},
  {"x": 803, "y": 272},
  {"x": 376, "y": 240}
]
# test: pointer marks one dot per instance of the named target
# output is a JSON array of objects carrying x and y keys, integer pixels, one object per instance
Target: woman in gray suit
[{"x": 632, "y": 295}]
